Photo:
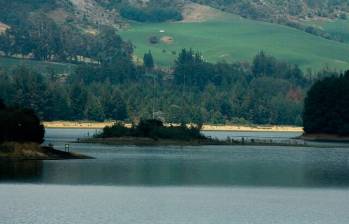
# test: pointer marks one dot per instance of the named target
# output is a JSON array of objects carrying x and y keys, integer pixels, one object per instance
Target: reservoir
[{"x": 201, "y": 184}]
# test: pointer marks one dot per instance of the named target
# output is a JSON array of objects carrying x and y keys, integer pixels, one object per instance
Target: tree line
[
  {"x": 267, "y": 91},
  {"x": 39, "y": 37},
  {"x": 146, "y": 11},
  {"x": 15, "y": 12},
  {"x": 55, "y": 99},
  {"x": 152, "y": 14}
]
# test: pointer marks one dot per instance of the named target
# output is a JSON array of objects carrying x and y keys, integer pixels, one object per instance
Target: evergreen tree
[
  {"x": 30, "y": 87},
  {"x": 326, "y": 107},
  {"x": 78, "y": 99},
  {"x": 115, "y": 107},
  {"x": 148, "y": 60},
  {"x": 263, "y": 65},
  {"x": 57, "y": 103},
  {"x": 93, "y": 109}
]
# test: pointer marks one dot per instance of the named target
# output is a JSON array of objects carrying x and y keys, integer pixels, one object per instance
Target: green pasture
[{"x": 231, "y": 38}]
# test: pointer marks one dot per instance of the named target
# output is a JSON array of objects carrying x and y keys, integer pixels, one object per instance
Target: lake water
[{"x": 206, "y": 184}]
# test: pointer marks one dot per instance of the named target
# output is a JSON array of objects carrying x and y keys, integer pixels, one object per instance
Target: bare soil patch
[
  {"x": 3, "y": 27},
  {"x": 193, "y": 12},
  {"x": 59, "y": 15},
  {"x": 167, "y": 39}
]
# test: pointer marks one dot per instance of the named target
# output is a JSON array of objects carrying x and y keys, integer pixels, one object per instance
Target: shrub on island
[{"x": 154, "y": 129}]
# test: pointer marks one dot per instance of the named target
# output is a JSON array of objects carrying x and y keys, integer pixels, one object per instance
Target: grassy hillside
[
  {"x": 232, "y": 38},
  {"x": 223, "y": 37},
  {"x": 44, "y": 67}
]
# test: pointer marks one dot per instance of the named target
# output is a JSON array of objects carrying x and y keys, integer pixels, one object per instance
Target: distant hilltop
[
  {"x": 67, "y": 24},
  {"x": 91, "y": 14}
]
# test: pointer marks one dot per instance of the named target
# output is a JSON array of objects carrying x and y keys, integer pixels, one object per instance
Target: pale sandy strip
[
  {"x": 98, "y": 125},
  {"x": 254, "y": 128}
]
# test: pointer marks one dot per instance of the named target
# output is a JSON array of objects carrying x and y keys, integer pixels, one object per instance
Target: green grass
[
  {"x": 40, "y": 66},
  {"x": 232, "y": 38}
]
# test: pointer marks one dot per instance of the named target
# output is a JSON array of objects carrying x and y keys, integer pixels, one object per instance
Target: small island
[
  {"x": 326, "y": 110},
  {"x": 21, "y": 136},
  {"x": 152, "y": 132}
]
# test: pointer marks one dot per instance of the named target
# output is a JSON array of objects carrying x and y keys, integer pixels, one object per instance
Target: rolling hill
[
  {"x": 61, "y": 35},
  {"x": 237, "y": 34},
  {"x": 228, "y": 37}
]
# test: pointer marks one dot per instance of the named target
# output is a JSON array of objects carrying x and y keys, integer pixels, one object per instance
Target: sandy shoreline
[
  {"x": 242, "y": 128},
  {"x": 72, "y": 124},
  {"x": 252, "y": 128}
]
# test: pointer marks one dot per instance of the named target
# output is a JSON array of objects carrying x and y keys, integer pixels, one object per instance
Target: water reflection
[
  {"x": 192, "y": 166},
  {"x": 286, "y": 167},
  {"x": 328, "y": 174},
  {"x": 188, "y": 166},
  {"x": 26, "y": 171}
]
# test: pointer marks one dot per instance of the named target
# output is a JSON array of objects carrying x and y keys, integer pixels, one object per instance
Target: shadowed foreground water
[
  {"x": 225, "y": 184},
  {"x": 189, "y": 166}
]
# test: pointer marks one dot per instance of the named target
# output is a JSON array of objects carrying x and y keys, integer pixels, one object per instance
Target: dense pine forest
[{"x": 266, "y": 91}]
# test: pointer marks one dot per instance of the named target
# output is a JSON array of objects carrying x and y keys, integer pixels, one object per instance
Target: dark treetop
[{"x": 326, "y": 108}]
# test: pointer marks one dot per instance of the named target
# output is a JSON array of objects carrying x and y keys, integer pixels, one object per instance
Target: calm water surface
[{"x": 208, "y": 184}]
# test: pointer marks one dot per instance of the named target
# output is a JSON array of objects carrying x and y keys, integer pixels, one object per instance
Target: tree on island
[
  {"x": 326, "y": 107},
  {"x": 20, "y": 125}
]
